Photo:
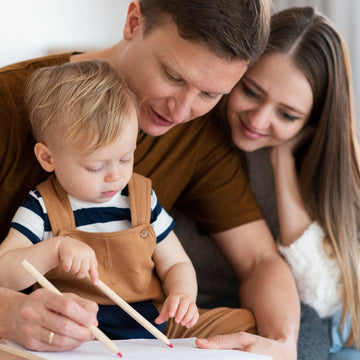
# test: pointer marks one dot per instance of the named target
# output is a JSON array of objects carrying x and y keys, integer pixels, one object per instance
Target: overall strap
[
  {"x": 57, "y": 205},
  {"x": 140, "y": 199}
]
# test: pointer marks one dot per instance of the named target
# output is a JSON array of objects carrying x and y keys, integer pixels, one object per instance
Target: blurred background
[{"x": 38, "y": 27}]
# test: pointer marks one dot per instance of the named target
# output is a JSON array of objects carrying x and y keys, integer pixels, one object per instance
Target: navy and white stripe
[{"x": 32, "y": 220}]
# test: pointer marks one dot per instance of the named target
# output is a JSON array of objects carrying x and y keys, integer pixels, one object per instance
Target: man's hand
[
  {"x": 278, "y": 350},
  {"x": 33, "y": 317}
]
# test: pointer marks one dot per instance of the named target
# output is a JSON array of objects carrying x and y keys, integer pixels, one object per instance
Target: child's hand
[
  {"x": 182, "y": 308},
  {"x": 78, "y": 258}
]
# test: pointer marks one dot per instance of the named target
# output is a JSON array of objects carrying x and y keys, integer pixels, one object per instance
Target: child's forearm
[
  {"x": 44, "y": 256},
  {"x": 293, "y": 217},
  {"x": 181, "y": 279}
]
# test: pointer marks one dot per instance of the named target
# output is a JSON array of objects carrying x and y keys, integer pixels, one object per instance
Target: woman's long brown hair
[{"x": 328, "y": 163}]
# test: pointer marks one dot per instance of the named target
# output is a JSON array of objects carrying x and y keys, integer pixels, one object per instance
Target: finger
[
  {"x": 66, "y": 263},
  {"x": 90, "y": 306},
  {"x": 57, "y": 342},
  {"x": 181, "y": 311},
  {"x": 163, "y": 316},
  {"x": 93, "y": 272},
  {"x": 194, "y": 320},
  {"x": 191, "y": 317},
  {"x": 84, "y": 268},
  {"x": 75, "y": 265},
  {"x": 80, "y": 310},
  {"x": 237, "y": 341}
]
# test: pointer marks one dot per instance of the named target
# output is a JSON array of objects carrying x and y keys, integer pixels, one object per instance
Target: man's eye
[
  {"x": 209, "y": 95},
  {"x": 173, "y": 78}
]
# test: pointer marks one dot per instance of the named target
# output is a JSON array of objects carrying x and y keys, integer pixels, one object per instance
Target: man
[{"x": 178, "y": 57}]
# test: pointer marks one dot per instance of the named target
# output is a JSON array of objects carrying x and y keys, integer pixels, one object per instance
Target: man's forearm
[
  {"x": 269, "y": 291},
  {"x": 8, "y": 302}
]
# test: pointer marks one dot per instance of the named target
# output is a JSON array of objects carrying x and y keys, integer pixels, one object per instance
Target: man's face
[{"x": 174, "y": 79}]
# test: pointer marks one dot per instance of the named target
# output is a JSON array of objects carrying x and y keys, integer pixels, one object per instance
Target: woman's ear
[
  {"x": 44, "y": 156},
  {"x": 133, "y": 20}
]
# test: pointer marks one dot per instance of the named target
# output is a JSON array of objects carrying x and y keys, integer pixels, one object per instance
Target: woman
[{"x": 296, "y": 100}]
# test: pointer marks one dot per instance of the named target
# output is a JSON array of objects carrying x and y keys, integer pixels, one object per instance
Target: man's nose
[{"x": 180, "y": 105}]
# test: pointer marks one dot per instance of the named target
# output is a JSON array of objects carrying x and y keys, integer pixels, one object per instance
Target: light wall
[{"x": 32, "y": 28}]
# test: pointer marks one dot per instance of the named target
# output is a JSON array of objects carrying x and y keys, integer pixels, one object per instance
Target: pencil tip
[
  {"x": 119, "y": 354},
  {"x": 171, "y": 345}
]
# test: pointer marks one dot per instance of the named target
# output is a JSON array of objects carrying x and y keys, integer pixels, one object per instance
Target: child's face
[{"x": 98, "y": 176}]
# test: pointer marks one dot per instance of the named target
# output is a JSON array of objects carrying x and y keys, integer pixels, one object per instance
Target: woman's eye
[
  {"x": 289, "y": 117},
  {"x": 249, "y": 92}
]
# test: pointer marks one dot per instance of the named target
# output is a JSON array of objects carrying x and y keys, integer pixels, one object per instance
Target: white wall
[{"x": 31, "y": 28}]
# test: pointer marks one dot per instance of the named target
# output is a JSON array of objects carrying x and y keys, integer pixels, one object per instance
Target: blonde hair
[{"x": 75, "y": 104}]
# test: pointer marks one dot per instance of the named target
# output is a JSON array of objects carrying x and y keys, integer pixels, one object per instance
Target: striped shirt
[{"x": 31, "y": 218}]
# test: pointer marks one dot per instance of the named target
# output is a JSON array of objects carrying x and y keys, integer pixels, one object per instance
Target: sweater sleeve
[{"x": 317, "y": 276}]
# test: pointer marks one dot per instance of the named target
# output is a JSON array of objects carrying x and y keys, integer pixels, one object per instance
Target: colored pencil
[
  {"x": 45, "y": 283},
  {"x": 132, "y": 312}
]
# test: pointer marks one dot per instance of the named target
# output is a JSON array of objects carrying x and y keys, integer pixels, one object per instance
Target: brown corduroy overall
[{"x": 125, "y": 262}]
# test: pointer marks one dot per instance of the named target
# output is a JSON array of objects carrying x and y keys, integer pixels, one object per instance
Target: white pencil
[
  {"x": 45, "y": 283},
  {"x": 133, "y": 313}
]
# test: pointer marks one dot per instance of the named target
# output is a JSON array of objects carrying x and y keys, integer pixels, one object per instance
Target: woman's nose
[{"x": 259, "y": 117}]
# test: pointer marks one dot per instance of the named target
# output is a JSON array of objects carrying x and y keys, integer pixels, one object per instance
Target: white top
[{"x": 317, "y": 276}]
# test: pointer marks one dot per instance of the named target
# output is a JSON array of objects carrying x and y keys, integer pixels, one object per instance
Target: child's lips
[{"x": 109, "y": 193}]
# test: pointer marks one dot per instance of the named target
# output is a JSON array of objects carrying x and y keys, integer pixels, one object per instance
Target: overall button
[{"x": 143, "y": 233}]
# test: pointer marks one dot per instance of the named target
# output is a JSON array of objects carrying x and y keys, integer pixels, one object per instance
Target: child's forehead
[{"x": 91, "y": 151}]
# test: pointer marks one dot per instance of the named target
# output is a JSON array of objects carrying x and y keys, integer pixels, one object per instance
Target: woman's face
[{"x": 270, "y": 104}]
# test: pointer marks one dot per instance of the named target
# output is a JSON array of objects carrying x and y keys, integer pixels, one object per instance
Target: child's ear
[{"x": 44, "y": 156}]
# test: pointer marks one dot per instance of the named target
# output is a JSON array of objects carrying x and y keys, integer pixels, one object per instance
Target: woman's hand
[{"x": 287, "y": 148}]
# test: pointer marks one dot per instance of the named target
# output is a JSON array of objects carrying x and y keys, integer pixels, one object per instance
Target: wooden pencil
[
  {"x": 45, "y": 283},
  {"x": 19, "y": 352},
  {"x": 132, "y": 312}
]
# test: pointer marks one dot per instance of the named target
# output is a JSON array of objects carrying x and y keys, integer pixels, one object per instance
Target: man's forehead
[{"x": 205, "y": 70}]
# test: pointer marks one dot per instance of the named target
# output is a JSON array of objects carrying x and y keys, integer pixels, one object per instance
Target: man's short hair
[{"x": 233, "y": 29}]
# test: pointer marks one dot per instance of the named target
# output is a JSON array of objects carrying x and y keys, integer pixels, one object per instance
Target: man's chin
[{"x": 156, "y": 130}]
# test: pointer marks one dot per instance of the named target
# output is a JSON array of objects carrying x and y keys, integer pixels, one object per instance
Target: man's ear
[
  {"x": 133, "y": 20},
  {"x": 44, "y": 156}
]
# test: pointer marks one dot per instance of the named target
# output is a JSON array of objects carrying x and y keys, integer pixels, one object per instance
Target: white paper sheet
[{"x": 143, "y": 349}]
